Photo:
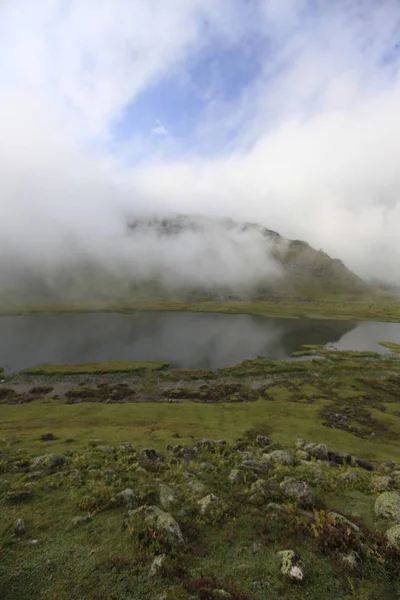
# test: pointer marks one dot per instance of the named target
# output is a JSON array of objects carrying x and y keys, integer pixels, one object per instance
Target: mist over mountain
[{"x": 189, "y": 256}]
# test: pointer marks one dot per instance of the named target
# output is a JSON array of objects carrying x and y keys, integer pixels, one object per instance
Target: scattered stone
[
  {"x": 79, "y": 520},
  {"x": 51, "y": 461},
  {"x": 350, "y": 560},
  {"x": 263, "y": 440},
  {"x": 280, "y": 457},
  {"x": 255, "y": 465},
  {"x": 302, "y": 455},
  {"x": 274, "y": 507},
  {"x": 387, "y": 506},
  {"x": 127, "y": 448},
  {"x": 292, "y": 566},
  {"x": 167, "y": 496},
  {"x": 220, "y": 595},
  {"x": 140, "y": 471},
  {"x": 196, "y": 486},
  {"x": 299, "y": 491},
  {"x": 356, "y": 461},
  {"x": 207, "y": 503},
  {"x": 339, "y": 458},
  {"x": 387, "y": 467},
  {"x": 105, "y": 449},
  {"x": 396, "y": 479},
  {"x": 128, "y": 497},
  {"x": 382, "y": 483},
  {"x": 337, "y": 518},
  {"x": 256, "y": 548},
  {"x": 318, "y": 451},
  {"x": 393, "y": 536},
  {"x": 163, "y": 521},
  {"x": 211, "y": 445},
  {"x": 157, "y": 565},
  {"x": 19, "y": 527},
  {"x": 300, "y": 444},
  {"x": 149, "y": 457},
  {"x": 314, "y": 471},
  {"x": 246, "y": 455},
  {"x": 235, "y": 476},
  {"x": 33, "y": 542},
  {"x": 348, "y": 478},
  {"x": 47, "y": 437}
]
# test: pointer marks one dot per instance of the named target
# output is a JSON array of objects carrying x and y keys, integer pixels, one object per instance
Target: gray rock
[
  {"x": 356, "y": 461},
  {"x": 393, "y": 536},
  {"x": 382, "y": 483},
  {"x": 79, "y": 520},
  {"x": 235, "y": 476},
  {"x": 167, "y": 496},
  {"x": 19, "y": 527},
  {"x": 300, "y": 444},
  {"x": 299, "y": 491},
  {"x": 33, "y": 542},
  {"x": 292, "y": 566},
  {"x": 337, "y": 518},
  {"x": 396, "y": 479},
  {"x": 348, "y": 478},
  {"x": 246, "y": 455},
  {"x": 302, "y": 455},
  {"x": 387, "y": 467},
  {"x": 140, "y": 471},
  {"x": 149, "y": 455},
  {"x": 318, "y": 451},
  {"x": 280, "y": 457},
  {"x": 51, "y": 461},
  {"x": 387, "y": 506},
  {"x": 157, "y": 565},
  {"x": 350, "y": 560},
  {"x": 196, "y": 486},
  {"x": 339, "y": 458},
  {"x": 273, "y": 507},
  {"x": 207, "y": 503},
  {"x": 127, "y": 448},
  {"x": 128, "y": 497},
  {"x": 263, "y": 440},
  {"x": 162, "y": 521},
  {"x": 256, "y": 466}
]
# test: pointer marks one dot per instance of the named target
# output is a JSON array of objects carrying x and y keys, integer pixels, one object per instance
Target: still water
[{"x": 191, "y": 340}]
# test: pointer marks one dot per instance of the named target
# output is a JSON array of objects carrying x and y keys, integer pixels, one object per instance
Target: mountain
[{"x": 186, "y": 256}]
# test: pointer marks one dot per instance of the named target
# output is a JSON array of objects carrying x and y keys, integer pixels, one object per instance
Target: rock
[
  {"x": 339, "y": 519},
  {"x": 256, "y": 466},
  {"x": 196, "y": 486},
  {"x": 300, "y": 444},
  {"x": 314, "y": 471},
  {"x": 33, "y": 542},
  {"x": 156, "y": 565},
  {"x": 318, "y": 451},
  {"x": 140, "y": 471},
  {"x": 299, "y": 491},
  {"x": 393, "y": 536},
  {"x": 292, "y": 566},
  {"x": 387, "y": 467},
  {"x": 339, "y": 458},
  {"x": 162, "y": 521},
  {"x": 47, "y": 437},
  {"x": 51, "y": 461},
  {"x": 280, "y": 457},
  {"x": 273, "y": 507},
  {"x": 350, "y": 560},
  {"x": 356, "y": 461},
  {"x": 302, "y": 455},
  {"x": 348, "y": 478},
  {"x": 246, "y": 455},
  {"x": 79, "y": 520},
  {"x": 263, "y": 440},
  {"x": 256, "y": 548},
  {"x": 220, "y": 595},
  {"x": 167, "y": 496},
  {"x": 387, "y": 506},
  {"x": 210, "y": 445},
  {"x": 150, "y": 458},
  {"x": 396, "y": 479},
  {"x": 382, "y": 483},
  {"x": 207, "y": 503},
  {"x": 235, "y": 476},
  {"x": 128, "y": 497},
  {"x": 19, "y": 527},
  {"x": 127, "y": 448}
]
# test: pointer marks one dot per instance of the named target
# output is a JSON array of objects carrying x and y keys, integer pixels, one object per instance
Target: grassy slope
[{"x": 104, "y": 367}]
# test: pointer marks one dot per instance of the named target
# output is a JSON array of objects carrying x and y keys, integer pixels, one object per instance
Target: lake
[{"x": 183, "y": 339}]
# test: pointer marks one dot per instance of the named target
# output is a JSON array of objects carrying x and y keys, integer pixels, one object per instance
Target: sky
[{"x": 281, "y": 112}]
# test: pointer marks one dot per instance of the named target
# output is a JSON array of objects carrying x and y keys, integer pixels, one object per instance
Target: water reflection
[{"x": 192, "y": 340}]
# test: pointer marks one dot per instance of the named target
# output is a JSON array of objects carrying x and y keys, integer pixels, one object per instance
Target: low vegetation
[{"x": 102, "y": 367}]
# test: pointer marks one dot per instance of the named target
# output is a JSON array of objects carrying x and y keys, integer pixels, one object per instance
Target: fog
[{"x": 309, "y": 147}]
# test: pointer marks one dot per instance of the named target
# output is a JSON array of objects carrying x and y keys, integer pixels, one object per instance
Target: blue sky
[{"x": 284, "y": 112}]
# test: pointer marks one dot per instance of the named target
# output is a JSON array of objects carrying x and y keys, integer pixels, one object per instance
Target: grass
[
  {"x": 392, "y": 346},
  {"x": 95, "y": 368}
]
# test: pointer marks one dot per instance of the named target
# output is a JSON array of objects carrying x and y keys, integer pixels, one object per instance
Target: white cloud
[{"x": 318, "y": 145}]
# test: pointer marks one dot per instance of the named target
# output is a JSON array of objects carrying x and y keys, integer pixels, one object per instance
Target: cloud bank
[{"x": 304, "y": 138}]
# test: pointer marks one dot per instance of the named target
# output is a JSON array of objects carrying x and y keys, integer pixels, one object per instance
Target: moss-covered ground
[{"x": 349, "y": 401}]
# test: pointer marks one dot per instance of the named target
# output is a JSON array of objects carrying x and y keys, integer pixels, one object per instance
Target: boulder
[
  {"x": 348, "y": 478},
  {"x": 318, "y": 451},
  {"x": 51, "y": 461},
  {"x": 162, "y": 521},
  {"x": 128, "y": 497},
  {"x": 196, "y": 486},
  {"x": 235, "y": 476},
  {"x": 263, "y": 440},
  {"x": 393, "y": 536},
  {"x": 339, "y": 458},
  {"x": 356, "y": 461},
  {"x": 382, "y": 483},
  {"x": 126, "y": 448},
  {"x": 302, "y": 455},
  {"x": 298, "y": 491},
  {"x": 149, "y": 455},
  {"x": 387, "y": 467},
  {"x": 339, "y": 519},
  {"x": 292, "y": 567},
  {"x": 387, "y": 506},
  {"x": 280, "y": 457},
  {"x": 256, "y": 466},
  {"x": 207, "y": 503}
]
